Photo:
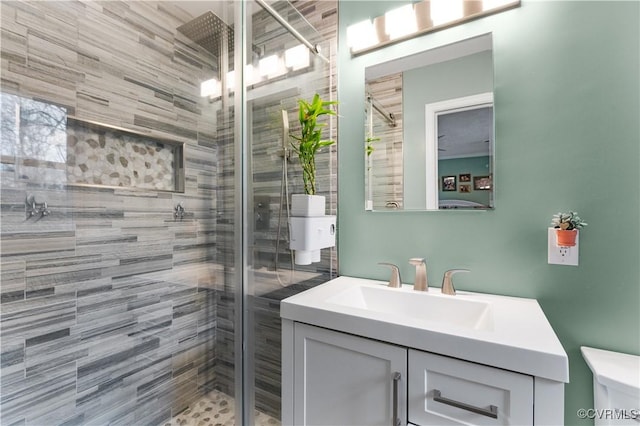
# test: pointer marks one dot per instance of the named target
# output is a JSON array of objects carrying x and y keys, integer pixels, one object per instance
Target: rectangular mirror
[{"x": 429, "y": 138}]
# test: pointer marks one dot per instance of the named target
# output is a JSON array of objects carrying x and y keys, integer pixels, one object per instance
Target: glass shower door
[{"x": 280, "y": 69}]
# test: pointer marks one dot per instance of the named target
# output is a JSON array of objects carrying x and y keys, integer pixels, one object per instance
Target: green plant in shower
[
  {"x": 369, "y": 148},
  {"x": 369, "y": 145},
  {"x": 309, "y": 141}
]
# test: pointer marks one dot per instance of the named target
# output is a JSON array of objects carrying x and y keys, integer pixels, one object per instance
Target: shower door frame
[
  {"x": 243, "y": 408},
  {"x": 244, "y": 371}
]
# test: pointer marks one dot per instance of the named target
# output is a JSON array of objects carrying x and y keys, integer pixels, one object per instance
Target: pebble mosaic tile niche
[
  {"x": 48, "y": 146},
  {"x": 100, "y": 155}
]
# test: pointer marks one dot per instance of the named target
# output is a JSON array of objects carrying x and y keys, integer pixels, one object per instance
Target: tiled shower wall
[
  {"x": 113, "y": 310},
  {"x": 109, "y": 303},
  {"x": 385, "y": 161}
]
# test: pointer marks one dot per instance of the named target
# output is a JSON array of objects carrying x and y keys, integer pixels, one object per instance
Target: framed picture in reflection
[
  {"x": 482, "y": 183},
  {"x": 466, "y": 177},
  {"x": 465, "y": 188},
  {"x": 449, "y": 183}
]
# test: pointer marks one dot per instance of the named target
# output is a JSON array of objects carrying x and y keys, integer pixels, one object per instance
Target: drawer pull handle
[
  {"x": 491, "y": 412},
  {"x": 396, "y": 395}
]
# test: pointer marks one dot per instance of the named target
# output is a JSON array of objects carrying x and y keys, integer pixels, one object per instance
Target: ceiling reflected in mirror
[
  {"x": 411, "y": 20},
  {"x": 466, "y": 133}
]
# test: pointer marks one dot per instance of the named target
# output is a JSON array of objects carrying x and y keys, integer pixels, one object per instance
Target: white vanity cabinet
[
  {"x": 340, "y": 379},
  {"x": 356, "y": 352},
  {"x": 448, "y": 391},
  {"x": 347, "y": 380}
]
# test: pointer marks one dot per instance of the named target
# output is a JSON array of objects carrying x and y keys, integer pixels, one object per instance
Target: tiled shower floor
[{"x": 216, "y": 409}]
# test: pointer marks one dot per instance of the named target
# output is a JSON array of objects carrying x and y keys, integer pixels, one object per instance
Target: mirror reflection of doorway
[{"x": 459, "y": 135}]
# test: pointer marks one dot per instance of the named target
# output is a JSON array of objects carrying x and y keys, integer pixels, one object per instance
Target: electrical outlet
[{"x": 558, "y": 255}]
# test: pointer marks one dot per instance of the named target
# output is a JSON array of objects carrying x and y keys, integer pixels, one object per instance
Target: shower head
[{"x": 209, "y": 31}]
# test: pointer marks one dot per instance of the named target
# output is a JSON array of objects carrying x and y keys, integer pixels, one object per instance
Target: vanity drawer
[{"x": 447, "y": 391}]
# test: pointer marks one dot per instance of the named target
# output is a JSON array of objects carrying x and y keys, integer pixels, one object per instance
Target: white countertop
[{"x": 519, "y": 339}]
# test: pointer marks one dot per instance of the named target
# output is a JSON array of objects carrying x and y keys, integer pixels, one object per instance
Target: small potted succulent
[
  {"x": 306, "y": 144},
  {"x": 567, "y": 226}
]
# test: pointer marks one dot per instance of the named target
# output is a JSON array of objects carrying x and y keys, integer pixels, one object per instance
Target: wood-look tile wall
[
  {"x": 386, "y": 173},
  {"x": 109, "y": 303},
  {"x": 113, "y": 311}
]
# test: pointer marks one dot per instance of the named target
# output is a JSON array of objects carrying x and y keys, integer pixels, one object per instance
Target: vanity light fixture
[
  {"x": 494, "y": 4},
  {"x": 293, "y": 59},
  {"x": 400, "y": 22},
  {"x": 296, "y": 57},
  {"x": 362, "y": 36},
  {"x": 417, "y": 19},
  {"x": 444, "y": 11},
  {"x": 252, "y": 75},
  {"x": 231, "y": 80},
  {"x": 269, "y": 66},
  {"x": 210, "y": 88}
]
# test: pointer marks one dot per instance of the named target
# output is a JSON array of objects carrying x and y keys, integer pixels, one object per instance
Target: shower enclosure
[{"x": 144, "y": 189}]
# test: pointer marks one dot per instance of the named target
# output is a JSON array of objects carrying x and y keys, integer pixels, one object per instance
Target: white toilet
[{"x": 616, "y": 387}]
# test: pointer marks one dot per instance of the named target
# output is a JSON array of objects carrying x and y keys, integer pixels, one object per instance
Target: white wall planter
[
  {"x": 304, "y": 205},
  {"x": 309, "y": 228}
]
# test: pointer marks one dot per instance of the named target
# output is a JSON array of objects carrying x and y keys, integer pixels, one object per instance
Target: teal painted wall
[
  {"x": 470, "y": 75},
  {"x": 567, "y": 97}
]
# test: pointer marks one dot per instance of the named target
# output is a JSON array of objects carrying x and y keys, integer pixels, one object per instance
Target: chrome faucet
[
  {"x": 447, "y": 281},
  {"x": 395, "y": 280},
  {"x": 421, "y": 274}
]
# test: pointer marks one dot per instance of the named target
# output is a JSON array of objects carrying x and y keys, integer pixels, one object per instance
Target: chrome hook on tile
[
  {"x": 44, "y": 210},
  {"x": 30, "y": 206},
  {"x": 34, "y": 209},
  {"x": 178, "y": 213}
]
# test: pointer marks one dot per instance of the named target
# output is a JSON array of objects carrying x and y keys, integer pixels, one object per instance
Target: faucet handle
[
  {"x": 395, "y": 280},
  {"x": 447, "y": 281}
]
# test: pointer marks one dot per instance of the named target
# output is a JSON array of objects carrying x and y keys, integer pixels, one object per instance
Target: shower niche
[
  {"x": 44, "y": 145},
  {"x": 104, "y": 155}
]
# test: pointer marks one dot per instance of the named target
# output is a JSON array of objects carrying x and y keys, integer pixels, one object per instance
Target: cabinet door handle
[
  {"x": 491, "y": 412},
  {"x": 396, "y": 396}
]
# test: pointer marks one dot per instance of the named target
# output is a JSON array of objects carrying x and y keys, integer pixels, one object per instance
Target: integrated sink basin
[
  {"x": 417, "y": 305},
  {"x": 506, "y": 332}
]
